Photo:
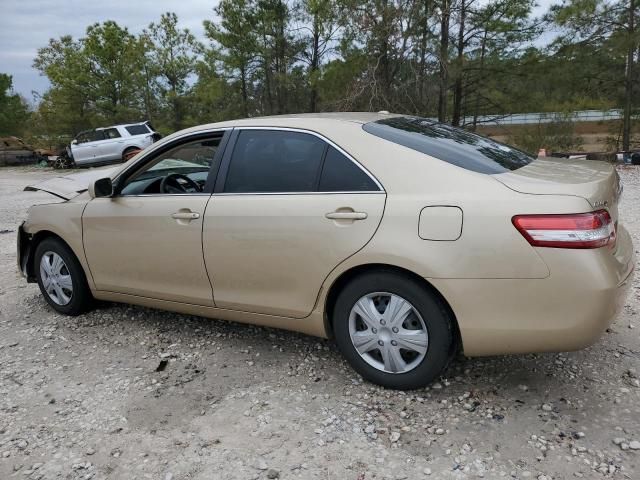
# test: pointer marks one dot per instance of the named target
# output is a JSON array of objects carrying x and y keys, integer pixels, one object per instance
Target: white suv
[{"x": 111, "y": 144}]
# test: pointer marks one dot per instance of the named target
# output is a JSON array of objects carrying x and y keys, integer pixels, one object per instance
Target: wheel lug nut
[
  {"x": 395, "y": 329},
  {"x": 382, "y": 322},
  {"x": 394, "y": 343},
  {"x": 374, "y": 330},
  {"x": 380, "y": 342}
]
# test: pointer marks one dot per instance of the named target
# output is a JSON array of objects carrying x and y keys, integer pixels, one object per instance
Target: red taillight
[{"x": 579, "y": 230}]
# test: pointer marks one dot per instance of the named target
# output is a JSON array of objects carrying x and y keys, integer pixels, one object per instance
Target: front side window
[
  {"x": 449, "y": 144},
  {"x": 96, "y": 136},
  {"x": 179, "y": 170},
  {"x": 82, "y": 138},
  {"x": 90, "y": 136},
  {"x": 274, "y": 161}
]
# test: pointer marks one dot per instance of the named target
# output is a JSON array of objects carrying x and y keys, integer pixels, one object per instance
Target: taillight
[{"x": 579, "y": 230}]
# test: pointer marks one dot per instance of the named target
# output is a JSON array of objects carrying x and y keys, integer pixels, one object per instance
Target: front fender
[{"x": 63, "y": 220}]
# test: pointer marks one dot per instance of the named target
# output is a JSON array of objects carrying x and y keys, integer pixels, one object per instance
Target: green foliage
[
  {"x": 171, "y": 59},
  {"x": 14, "y": 112},
  {"x": 460, "y": 59}
]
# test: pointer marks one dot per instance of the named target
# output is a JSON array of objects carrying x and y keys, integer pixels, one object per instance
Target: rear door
[{"x": 288, "y": 208}]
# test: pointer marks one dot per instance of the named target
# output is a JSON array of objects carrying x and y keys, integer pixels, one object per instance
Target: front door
[
  {"x": 111, "y": 147},
  {"x": 292, "y": 208},
  {"x": 85, "y": 150},
  {"x": 147, "y": 240}
]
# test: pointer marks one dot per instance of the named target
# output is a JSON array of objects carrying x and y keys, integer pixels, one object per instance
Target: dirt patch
[{"x": 82, "y": 398}]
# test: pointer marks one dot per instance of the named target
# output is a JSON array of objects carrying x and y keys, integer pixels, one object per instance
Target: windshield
[{"x": 449, "y": 144}]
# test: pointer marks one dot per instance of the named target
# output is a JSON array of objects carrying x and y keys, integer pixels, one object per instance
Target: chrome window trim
[
  {"x": 198, "y": 194},
  {"x": 230, "y": 194},
  {"x": 355, "y": 192},
  {"x": 324, "y": 139}
]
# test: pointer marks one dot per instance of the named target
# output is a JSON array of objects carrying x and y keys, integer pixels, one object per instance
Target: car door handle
[
  {"x": 185, "y": 215},
  {"x": 346, "y": 215}
]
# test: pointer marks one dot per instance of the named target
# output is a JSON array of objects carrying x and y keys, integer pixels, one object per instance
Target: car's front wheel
[
  {"x": 392, "y": 330},
  {"x": 61, "y": 278}
]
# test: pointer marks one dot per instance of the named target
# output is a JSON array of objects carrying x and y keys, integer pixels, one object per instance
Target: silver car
[{"x": 111, "y": 144}]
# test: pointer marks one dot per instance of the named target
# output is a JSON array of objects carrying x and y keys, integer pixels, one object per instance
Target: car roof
[
  {"x": 120, "y": 125},
  {"x": 310, "y": 121},
  {"x": 356, "y": 117}
]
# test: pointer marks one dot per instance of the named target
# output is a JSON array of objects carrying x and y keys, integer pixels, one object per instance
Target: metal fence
[{"x": 546, "y": 117}]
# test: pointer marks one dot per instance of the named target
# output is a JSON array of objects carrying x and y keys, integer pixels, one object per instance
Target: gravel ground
[{"x": 82, "y": 398}]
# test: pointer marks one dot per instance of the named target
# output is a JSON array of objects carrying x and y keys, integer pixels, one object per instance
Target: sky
[{"x": 26, "y": 25}]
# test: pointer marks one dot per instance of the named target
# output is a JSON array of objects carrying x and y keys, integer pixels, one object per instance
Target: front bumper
[
  {"x": 566, "y": 311},
  {"x": 23, "y": 243}
]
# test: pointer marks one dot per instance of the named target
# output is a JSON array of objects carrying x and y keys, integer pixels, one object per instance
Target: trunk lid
[
  {"x": 70, "y": 186},
  {"x": 597, "y": 182}
]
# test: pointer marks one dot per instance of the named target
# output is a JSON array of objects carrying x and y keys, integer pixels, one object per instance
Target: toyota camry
[{"x": 403, "y": 239}]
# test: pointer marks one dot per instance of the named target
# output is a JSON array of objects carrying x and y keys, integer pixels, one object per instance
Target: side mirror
[
  {"x": 101, "y": 188},
  {"x": 74, "y": 142}
]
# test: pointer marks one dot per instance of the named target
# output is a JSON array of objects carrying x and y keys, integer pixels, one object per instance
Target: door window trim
[
  {"x": 124, "y": 175},
  {"x": 226, "y": 162}
]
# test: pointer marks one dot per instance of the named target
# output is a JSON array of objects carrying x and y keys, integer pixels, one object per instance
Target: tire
[
  {"x": 129, "y": 153},
  {"x": 63, "y": 162},
  {"x": 79, "y": 297},
  {"x": 427, "y": 314}
]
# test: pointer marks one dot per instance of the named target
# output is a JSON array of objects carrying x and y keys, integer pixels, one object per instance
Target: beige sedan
[{"x": 403, "y": 239}]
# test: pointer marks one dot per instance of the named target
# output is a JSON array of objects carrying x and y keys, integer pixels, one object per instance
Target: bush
[{"x": 558, "y": 136}]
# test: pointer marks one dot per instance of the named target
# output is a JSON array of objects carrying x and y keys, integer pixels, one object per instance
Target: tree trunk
[
  {"x": 147, "y": 95},
  {"x": 628, "y": 81},
  {"x": 243, "y": 82},
  {"x": 476, "y": 108},
  {"x": 281, "y": 63},
  {"x": 313, "y": 70},
  {"x": 457, "y": 90},
  {"x": 423, "y": 54},
  {"x": 177, "y": 110},
  {"x": 444, "y": 61}
]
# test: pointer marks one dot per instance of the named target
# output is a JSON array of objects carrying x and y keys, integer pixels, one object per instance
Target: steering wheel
[{"x": 178, "y": 183}]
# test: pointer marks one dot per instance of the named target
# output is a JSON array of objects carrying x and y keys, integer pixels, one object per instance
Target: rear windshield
[
  {"x": 137, "y": 129},
  {"x": 452, "y": 145}
]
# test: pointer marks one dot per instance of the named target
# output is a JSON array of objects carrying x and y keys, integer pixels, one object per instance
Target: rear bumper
[{"x": 568, "y": 310}]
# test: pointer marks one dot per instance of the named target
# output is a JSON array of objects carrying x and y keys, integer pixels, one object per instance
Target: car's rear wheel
[
  {"x": 392, "y": 330},
  {"x": 61, "y": 278},
  {"x": 130, "y": 153}
]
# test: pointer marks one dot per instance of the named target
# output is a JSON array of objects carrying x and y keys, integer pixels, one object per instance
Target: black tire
[
  {"x": 127, "y": 151},
  {"x": 435, "y": 315},
  {"x": 63, "y": 162},
  {"x": 81, "y": 298}
]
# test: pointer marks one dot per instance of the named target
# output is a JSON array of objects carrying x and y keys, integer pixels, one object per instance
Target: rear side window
[
  {"x": 339, "y": 174},
  {"x": 274, "y": 161},
  {"x": 137, "y": 129},
  {"x": 449, "y": 144}
]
